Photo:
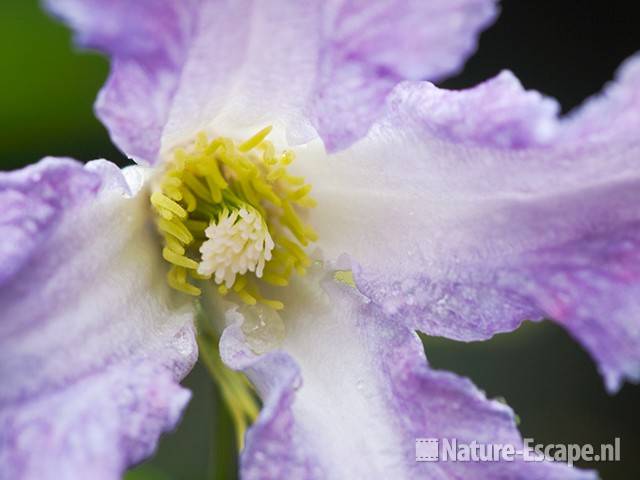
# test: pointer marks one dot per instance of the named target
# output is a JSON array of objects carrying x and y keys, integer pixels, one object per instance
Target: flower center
[{"x": 231, "y": 213}]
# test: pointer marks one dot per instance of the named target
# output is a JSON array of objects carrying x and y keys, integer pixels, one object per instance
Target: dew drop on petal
[{"x": 263, "y": 327}]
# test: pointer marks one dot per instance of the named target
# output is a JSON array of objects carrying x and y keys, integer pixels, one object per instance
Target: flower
[{"x": 462, "y": 214}]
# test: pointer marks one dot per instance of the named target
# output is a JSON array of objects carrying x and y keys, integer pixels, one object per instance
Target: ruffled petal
[
  {"x": 308, "y": 67},
  {"x": 92, "y": 343},
  {"x": 33, "y": 203},
  {"x": 374, "y": 45},
  {"x": 350, "y": 392},
  {"x": 147, "y": 41},
  {"x": 470, "y": 211}
]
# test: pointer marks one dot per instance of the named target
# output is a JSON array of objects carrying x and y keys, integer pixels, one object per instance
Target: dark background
[{"x": 565, "y": 49}]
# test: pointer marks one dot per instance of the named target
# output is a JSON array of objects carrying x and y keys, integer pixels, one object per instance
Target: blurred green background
[{"x": 46, "y": 95}]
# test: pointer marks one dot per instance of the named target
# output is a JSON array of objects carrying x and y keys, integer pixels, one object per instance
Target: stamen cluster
[{"x": 232, "y": 213}]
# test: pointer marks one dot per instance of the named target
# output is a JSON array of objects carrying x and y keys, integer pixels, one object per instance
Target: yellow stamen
[
  {"x": 177, "y": 280},
  {"x": 189, "y": 199},
  {"x": 174, "y": 244},
  {"x": 175, "y": 228},
  {"x": 275, "y": 304},
  {"x": 162, "y": 201},
  {"x": 345, "y": 276},
  {"x": 179, "y": 260},
  {"x": 300, "y": 193},
  {"x": 274, "y": 279},
  {"x": 255, "y": 140},
  {"x": 198, "y": 188},
  {"x": 246, "y": 297}
]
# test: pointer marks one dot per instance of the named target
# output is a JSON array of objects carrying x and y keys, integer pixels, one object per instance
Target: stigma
[
  {"x": 238, "y": 242},
  {"x": 231, "y": 214}
]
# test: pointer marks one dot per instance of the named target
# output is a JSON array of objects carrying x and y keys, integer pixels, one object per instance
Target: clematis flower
[{"x": 312, "y": 212}]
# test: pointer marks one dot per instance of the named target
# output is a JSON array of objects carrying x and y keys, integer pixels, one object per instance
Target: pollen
[{"x": 230, "y": 213}]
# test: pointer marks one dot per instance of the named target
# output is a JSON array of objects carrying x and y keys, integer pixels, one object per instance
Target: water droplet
[
  {"x": 263, "y": 327},
  {"x": 184, "y": 343}
]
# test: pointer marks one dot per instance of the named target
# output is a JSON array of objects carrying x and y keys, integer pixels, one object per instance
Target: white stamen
[{"x": 238, "y": 242}]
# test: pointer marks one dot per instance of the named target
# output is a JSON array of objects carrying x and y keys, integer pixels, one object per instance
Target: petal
[
  {"x": 32, "y": 205},
  {"x": 147, "y": 41},
  {"x": 350, "y": 393},
  {"x": 92, "y": 344},
  {"x": 181, "y": 67},
  {"x": 471, "y": 211},
  {"x": 374, "y": 45}
]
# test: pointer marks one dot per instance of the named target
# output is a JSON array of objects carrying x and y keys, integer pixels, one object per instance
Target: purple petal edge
[
  {"x": 328, "y": 69},
  {"x": 372, "y": 47},
  {"x": 95, "y": 428},
  {"x": 418, "y": 402},
  {"x": 33, "y": 200},
  {"x": 91, "y": 346},
  {"x": 544, "y": 220},
  {"x": 271, "y": 447},
  {"x": 147, "y": 41}
]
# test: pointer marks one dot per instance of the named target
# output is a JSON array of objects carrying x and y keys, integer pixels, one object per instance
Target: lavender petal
[
  {"x": 308, "y": 68},
  {"x": 92, "y": 342},
  {"x": 349, "y": 392},
  {"x": 488, "y": 210}
]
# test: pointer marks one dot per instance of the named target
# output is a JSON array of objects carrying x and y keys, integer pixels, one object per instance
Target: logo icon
[{"x": 427, "y": 450}]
